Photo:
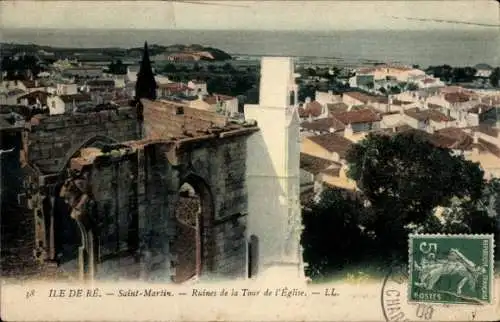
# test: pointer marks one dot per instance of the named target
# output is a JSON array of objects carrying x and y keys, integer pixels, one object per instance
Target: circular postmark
[
  {"x": 397, "y": 307},
  {"x": 394, "y": 298}
]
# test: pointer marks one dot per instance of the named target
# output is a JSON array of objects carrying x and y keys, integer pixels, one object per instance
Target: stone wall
[
  {"x": 169, "y": 119},
  {"x": 51, "y": 140},
  {"x": 114, "y": 189},
  {"x": 136, "y": 194}
]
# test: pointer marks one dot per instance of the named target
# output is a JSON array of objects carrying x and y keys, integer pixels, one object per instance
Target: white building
[
  {"x": 483, "y": 70},
  {"x": 66, "y": 89},
  {"x": 160, "y": 80},
  {"x": 273, "y": 164},
  {"x": 325, "y": 98},
  {"x": 198, "y": 87},
  {"x": 132, "y": 73},
  {"x": 61, "y": 104}
]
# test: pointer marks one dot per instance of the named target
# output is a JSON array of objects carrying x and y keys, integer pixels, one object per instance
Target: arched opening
[
  {"x": 67, "y": 234},
  {"x": 253, "y": 256},
  {"x": 192, "y": 245},
  {"x": 98, "y": 141}
]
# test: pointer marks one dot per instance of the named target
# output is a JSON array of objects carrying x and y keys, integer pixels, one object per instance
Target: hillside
[{"x": 108, "y": 54}]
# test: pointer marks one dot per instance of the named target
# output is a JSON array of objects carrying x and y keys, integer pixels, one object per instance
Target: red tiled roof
[
  {"x": 29, "y": 83},
  {"x": 424, "y": 115},
  {"x": 458, "y": 97},
  {"x": 360, "y": 116},
  {"x": 451, "y": 132},
  {"x": 337, "y": 107},
  {"x": 463, "y": 141},
  {"x": 399, "y": 102},
  {"x": 334, "y": 172},
  {"x": 314, "y": 164},
  {"x": 75, "y": 98},
  {"x": 488, "y": 130},
  {"x": 480, "y": 107},
  {"x": 33, "y": 96},
  {"x": 323, "y": 125},
  {"x": 174, "y": 87},
  {"x": 366, "y": 98},
  {"x": 101, "y": 82},
  {"x": 429, "y": 80},
  {"x": 489, "y": 147},
  {"x": 223, "y": 97},
  {"x": 310, "y": 109},
  {"x": 213, "y": 99},
  {"x": 332, "y": 143},
  {"x": 434, "y": 106}
]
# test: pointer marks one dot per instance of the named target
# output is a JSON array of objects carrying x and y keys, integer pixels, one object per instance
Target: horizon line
[{"x": 466, "y": 27}]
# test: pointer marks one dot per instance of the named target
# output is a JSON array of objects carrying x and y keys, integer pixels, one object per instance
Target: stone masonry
[{"x": 122, "y": 190}]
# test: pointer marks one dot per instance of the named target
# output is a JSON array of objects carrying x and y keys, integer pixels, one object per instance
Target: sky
[{"x": 260, "y": 15}]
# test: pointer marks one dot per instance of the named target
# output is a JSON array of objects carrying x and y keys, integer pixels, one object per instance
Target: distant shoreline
[{"x": 469, "y": 46}]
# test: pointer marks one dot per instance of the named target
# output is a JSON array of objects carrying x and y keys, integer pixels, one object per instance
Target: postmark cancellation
[{"x": 451, "y": 269}]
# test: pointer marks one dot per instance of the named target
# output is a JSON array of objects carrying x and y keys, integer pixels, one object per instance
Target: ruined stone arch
[
  {"x": 81, "y": 207},
  {"x": 73, "y": 237},
  {"x": 95, "y": 141},
  {"x": 204, "y": 238}
]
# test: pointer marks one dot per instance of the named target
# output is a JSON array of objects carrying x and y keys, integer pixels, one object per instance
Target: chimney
[
  {"x": 475, "y": 148},
  {"x": 348, "y": 130}
]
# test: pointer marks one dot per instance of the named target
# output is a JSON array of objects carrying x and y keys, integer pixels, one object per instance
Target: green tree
[
  {"x": 197, "y": 68},
  {"x": 394, "y": 89},
  {"x": 228, "y": 68},
  {"x": 117, "y": 68},
  {"x": 443, "y": 72},
  {"x": 331, "y": 237},
  {"x": 169, "y": 68},
  {"x": 481, "y": 216},
  {"x": 311, "y": 72},
  {"x": 411, "y": 87},
  {"x": 405, "y": 177},
  {"x": 495, "y": 77},
  {"x": 463, "y": 74},
  {"x": 212, "y": 69}
]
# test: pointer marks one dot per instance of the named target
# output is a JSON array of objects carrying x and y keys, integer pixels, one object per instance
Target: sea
[{"x": 455, "y": 47}]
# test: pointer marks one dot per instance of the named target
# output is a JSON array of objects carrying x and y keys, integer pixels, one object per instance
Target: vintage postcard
[{"x": 250, "y": 160}]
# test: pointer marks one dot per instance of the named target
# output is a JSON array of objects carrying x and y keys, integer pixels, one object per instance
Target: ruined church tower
[
  {"x": 145, "y": 87},
  {"x": 273, "y": 174}
]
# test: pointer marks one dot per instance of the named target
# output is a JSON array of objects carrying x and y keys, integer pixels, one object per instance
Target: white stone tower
[{"x": 273, "y": 174}]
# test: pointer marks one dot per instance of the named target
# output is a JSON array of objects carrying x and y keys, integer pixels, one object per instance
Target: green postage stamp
[{"x": 451, "y": 269}]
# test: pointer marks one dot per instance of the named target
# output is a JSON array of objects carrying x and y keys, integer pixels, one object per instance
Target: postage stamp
[{"x": 451, "y": 269}]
